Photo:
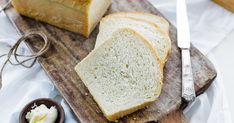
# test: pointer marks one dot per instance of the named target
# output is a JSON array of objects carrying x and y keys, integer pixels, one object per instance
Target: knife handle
[{"x": 188, "y": 91}]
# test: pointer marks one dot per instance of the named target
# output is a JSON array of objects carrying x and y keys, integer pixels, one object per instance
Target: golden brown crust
[
  {"x": 75, "y": 21},
  {"x": 122, "y": 113},
  {"x": 80, "y": 5}
]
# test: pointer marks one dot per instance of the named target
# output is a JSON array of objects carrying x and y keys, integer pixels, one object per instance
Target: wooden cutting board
[
  {"x": 228, "y": 4},
  {"x": 69, "y": 48}
]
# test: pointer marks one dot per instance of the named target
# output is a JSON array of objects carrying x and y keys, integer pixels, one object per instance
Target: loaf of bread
[
  {"x": 158, "y": 38},
  {"x": 79, "y": 16},
  {"x": 123, "y": 74}
]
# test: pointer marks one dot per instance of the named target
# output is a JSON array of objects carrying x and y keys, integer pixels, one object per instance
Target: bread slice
[
  {"x": 123, "y": 75},
  {"x": 160, "y": 41},
  {"x": 79, "y": 16},
  {"x": 151, "y": 18}
]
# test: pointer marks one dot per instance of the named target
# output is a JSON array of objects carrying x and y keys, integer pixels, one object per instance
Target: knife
[{"x": 183, "y": 42}]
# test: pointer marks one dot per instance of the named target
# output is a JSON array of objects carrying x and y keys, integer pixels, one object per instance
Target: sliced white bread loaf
[
  {"x": 158, "y": 39},
  {"x": 80, "y": 16},
  {"x": 123, "y": 75},
  {"x": 154, "y": 19}
]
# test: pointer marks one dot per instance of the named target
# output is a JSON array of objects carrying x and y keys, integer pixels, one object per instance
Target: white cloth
[
  {"x": 212, "y": 106},
  {"x": 209, "y": 24}
]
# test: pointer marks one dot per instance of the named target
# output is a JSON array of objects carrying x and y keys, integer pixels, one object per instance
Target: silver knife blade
[{"x": 183, "y": 32}]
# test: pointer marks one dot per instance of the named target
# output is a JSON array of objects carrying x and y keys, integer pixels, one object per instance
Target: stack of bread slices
[{"x": 124, "y": 72}]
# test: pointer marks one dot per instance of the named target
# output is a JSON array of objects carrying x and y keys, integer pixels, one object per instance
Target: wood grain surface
[
  {"x": 228, "y": 4},
  {"x": 174, "y": 117},
  {"x": 69, "y": 48}
]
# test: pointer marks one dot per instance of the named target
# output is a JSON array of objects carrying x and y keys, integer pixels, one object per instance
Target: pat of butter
[{"x": 42, "y": 114}]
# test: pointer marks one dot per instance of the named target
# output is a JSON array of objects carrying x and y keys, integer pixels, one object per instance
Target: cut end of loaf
[{"x": 123, "y": 75}]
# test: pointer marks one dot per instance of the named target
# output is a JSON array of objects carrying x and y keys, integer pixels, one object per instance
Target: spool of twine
[{"x": 32, "y": 57}]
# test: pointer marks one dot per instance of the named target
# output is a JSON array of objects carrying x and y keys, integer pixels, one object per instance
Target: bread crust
[
  {"x": 80, "y": 5},
  {"x": 147, "y": 14},
  {"x": 72, "y": 15},
  {"x": 122, "y": 113},
  {"x": 81, "y": 23}
]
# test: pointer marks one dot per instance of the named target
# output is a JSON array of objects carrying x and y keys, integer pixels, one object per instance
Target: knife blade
[
  {"x": 183, "y": 42},
  {"x": 183, "y": 31}
]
